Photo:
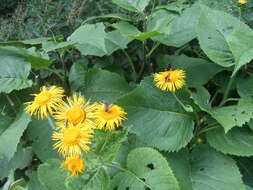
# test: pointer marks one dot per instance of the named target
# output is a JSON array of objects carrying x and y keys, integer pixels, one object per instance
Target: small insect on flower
[
  {"x": 109, "y": 116},
  {"x": 75, "y": 111},
  {"x": 74, "y": 165},
  {"x": 242, "y": 1},
  {"x": 170, "y": 80},
  {"x": 73, "y": 140},
  {"x": 45, "y": 102}
]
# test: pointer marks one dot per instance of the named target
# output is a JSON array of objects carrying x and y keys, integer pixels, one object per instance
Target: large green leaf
[
  {"x": 40, "y": 132},
  {"x": 238, "y": 141},
  {"x": 179, "y": 162},
  {"x": 225, "y": 39},
  {"x": 11, "y": 136},
  {"x": 51, "y": 176},
  {"x": 132, "y": 5},
  {"x": 157, "y": 118},
  {"x": 92, "y": 39},
  {"x": 236, "y": 115},
  {"x": 177, "y": 30},
  {"x": 146, "y": 168},
  {"x": 193, "y": 66},
  {"x": 212, "y": 170},
  {"x": 100, "y": 85},
  {"x": 13, "y": 73}
]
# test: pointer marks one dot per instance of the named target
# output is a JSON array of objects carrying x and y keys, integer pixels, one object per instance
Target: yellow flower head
[
  {"x": 45, "y": 102},
  {"x": 242, "y": 1},
  {"x": 74, "y": 165},
  {"x": 72, "y": 140},
  {"x": 170, "y": 80},
  {"x": 109, "y": 116},
  {"x": 77, "y": 110}
]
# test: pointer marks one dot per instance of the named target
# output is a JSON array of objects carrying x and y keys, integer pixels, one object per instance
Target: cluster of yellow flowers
[{"x": 76, "y": 120}]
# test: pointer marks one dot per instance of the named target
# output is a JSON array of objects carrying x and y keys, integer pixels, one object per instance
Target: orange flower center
[
  {"x": 43, "y": 98},
  {"x": 171, "y": 77},
  {"x": 76, "y": 115},
  {"x": 71, "y": 136},
  {"x": 109, "y": 113}
]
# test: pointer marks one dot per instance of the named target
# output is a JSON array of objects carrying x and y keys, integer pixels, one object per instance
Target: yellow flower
[
  {"x": 45, "y": 102},
  {"x": 170, "y": 80},
  {"x": 109, "y": 116},
  {"x": 74, "y": 165},
  {"x": 72, "y": 140},
  {"x": 77, "y": 110},
  {"x": 242, "y": 1}
]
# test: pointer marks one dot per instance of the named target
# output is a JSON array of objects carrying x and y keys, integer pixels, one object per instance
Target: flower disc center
[
  {"x": 71, "y": 136},
  {"x": 43, "y": 98},
  {"x": 76, "y": 115}
]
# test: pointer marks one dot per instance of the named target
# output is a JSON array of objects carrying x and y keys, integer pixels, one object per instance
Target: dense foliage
[{"x": 197, "y": 136}]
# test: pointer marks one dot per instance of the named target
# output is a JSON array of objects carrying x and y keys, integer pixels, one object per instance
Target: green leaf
[
  {"x": 5, "y": 121},
  {"x": 119, "y": 16},
  {"x": 157, "y": 118},
  {"x": 102, "y": 85},
  {"x": 246, "y": 167},
  {"x": 193, "y": 66},
  {"x": 114, "y": 41},
  {"x": 212, "y": 170},
  {"x": 132, "y": 5},
  {"x": 51, "y": 46},
  {"x": 77, "y": 76},
  {"x": 51, "y": 176},
  {"x": 238, "y": 141},
  {"x": 37, "y": 59},
  {"x": 34, "y": 181},
  {"x": 179, "y": 30},
  {"x": 21, "y": 159},
  {"x": 14, "y": 132},
  {"x": 244, "y": 87},
  {"x": 240, "y": 42},
  {"x": 146, "y": 168},
  {"x": 14, "y": 72},
  {"x": 108, "y": 143},
  {"x": 129, "y": 30},
  {"x": 40, "y": 132},
  {"x": 236, "y": 115},
  {"x": 201, "y": 97},
  {"x": 92, "y": 39},
  {"x": 99, "y": 180},
  {"x": 180, "y": 164},
  {"x": 225, "y": 39}
]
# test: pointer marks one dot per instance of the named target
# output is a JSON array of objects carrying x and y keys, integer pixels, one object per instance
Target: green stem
[
  {"x": 230, "y": 82},
  {"x": 51, "y": 123},
  {"x": 186, "y": 108},
  {"x": 144, "y": 60},
  {"x": 207, "y": 129},
  {"x": 131, "y": 64},
  {"x": 153, "y": 49},
  {"x": 11, "y": 103}
]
